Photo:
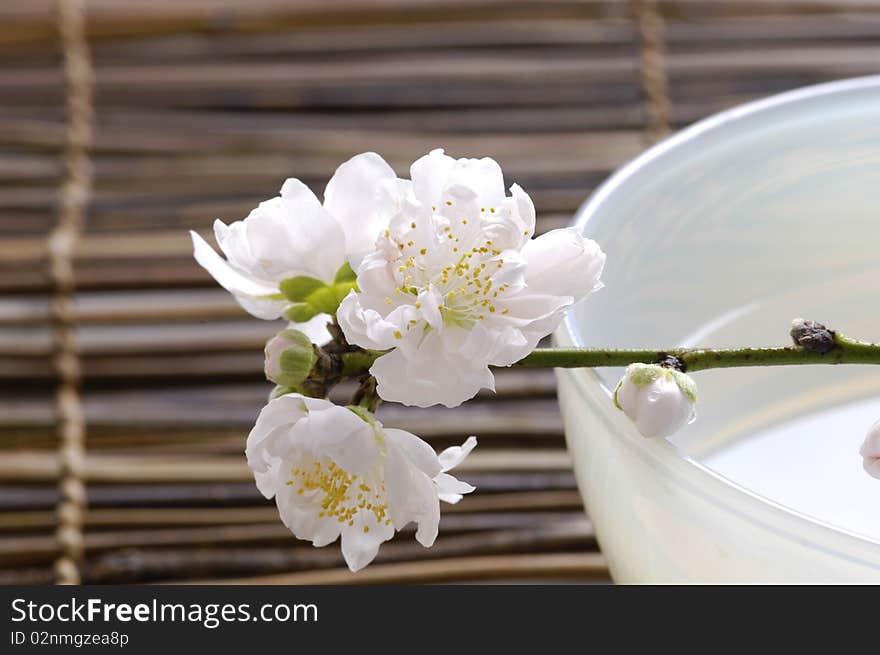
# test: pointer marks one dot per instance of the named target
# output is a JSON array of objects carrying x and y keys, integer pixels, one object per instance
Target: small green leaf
[
  {"x": 643, "y": 374},
  {"x": 323, "y": 300},
  {"x": 300, "y": 312},
  {"x": 299, "y": 288},
  {"x": 686, "y": 384},
  {"x": 341, "y": 289},
  {"x": 345, "y": 274}
]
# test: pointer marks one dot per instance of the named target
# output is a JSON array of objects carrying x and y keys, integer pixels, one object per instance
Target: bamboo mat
[{"x": 201, "y": 109}]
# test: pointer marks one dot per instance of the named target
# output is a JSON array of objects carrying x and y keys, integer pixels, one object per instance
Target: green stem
[{"x": 845, "y": 351}]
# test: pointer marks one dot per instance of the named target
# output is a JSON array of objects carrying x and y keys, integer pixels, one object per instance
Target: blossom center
[
  {"x": 340, "y": 494},
  {"x": 454, "y": 259}
]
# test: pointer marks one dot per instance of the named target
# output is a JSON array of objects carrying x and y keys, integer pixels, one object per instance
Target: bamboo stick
[
  {"x": 36, "y": 520},
  {"x": 145, "y": 564},
  {"x": 523, "y": 154},
  {"x": 109, "y": 469},
  {"x": 108, "y": 19},
  {"x": 166, "y": 244},
  {"x": 555, "y": 565},
  {"x": 158, "y": 306},
  {"x": 211, "y": 494},
  {"x": 28, "y": 26},
  {"x": 149, "y": 565},
  {"x": 539, "y": 31},
  {"x": 138, "y": 412},
  {"x": 30, "y": 549},
  {"x": 501, "y": 67},
  {"x": 171, "y": 172}
]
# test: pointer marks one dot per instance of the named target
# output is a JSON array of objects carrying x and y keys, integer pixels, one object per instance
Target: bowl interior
[{"x": 720, "y": 237}]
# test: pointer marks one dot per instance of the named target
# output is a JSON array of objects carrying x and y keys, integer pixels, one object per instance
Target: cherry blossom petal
[
  {"x": 359, "y": 548},
  {"x": 429, "y": 176},
  {"x": 455, "y": 455},
  {"x": 368, "y": 328},
  {"x": 341, "y": 435},
  {"x": 315, "y": 328},
  {"x": 483, "y": 175},
  {"x": 246, "y": 290},
  {"x": 266, "y": 480},
  {"x": 352, "y": 197},
  {"x": 451, "y": 489},
  {"x": 563, "y": 263},
  {"x": 303, "y": 521},
  {"x": 417, "y": 451},
  {"x": 294, "y": 236},
  {"x": 418, "y": 382},
  {"x": 412, "y": 495}
]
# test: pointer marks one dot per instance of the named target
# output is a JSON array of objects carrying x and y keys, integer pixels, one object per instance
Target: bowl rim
[{"x": 696, "y": 475}]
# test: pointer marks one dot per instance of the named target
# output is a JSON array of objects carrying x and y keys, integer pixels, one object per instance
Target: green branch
[{"x": 843, "y": 351}]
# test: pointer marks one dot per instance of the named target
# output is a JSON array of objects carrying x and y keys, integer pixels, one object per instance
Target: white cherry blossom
[
  {"x": 337, "y": 472},
  {"x": 294, "y": 234},
  {"x": 870, "y": 451},
  {"x": 457, "y": 283},
  {"x": 659, "y": 400}
]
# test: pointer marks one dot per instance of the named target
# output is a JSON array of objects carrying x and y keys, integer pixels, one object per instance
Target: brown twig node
[
  {"x": 812, "y": 336},
  {"x": 674, "y": 362}
]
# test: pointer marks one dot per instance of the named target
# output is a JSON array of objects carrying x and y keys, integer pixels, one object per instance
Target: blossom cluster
[
  {"x": 439, "y": 276},
  {"x": 432, "y": 280}
]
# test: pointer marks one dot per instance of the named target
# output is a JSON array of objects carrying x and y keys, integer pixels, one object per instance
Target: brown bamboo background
[{"x": 201, "y": 110}]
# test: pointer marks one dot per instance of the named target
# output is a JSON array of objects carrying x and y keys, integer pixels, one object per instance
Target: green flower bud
[{"x": 290, "y": 357}]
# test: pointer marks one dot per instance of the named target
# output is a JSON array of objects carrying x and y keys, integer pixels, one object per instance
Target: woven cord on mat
[
  {"x": 652, "y": 69},
  {"x": 73, "y": 200}
]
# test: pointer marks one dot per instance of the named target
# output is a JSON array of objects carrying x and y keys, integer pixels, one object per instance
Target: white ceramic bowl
[{"x": 720, "y": 236}]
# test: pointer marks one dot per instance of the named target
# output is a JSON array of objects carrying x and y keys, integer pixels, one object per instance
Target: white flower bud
[
  {"x": 870, "y": 451},
  {"x": 290, "y": 357},
  {"x": 659, "y": 400}
]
